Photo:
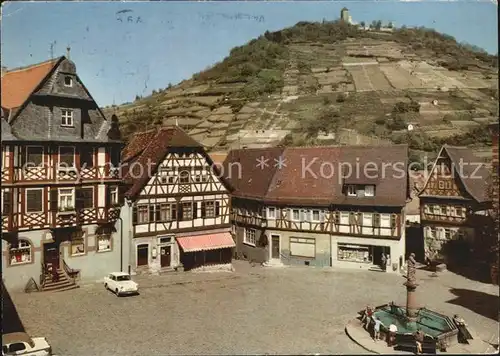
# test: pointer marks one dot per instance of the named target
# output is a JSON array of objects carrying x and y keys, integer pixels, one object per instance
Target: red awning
[{"x": 206, "y": 242}]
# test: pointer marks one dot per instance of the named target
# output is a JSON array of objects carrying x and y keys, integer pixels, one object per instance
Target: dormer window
[
  {"x": 68, "y": 81},
  {"x": 360, "y": 191},
  {"x": 67, "y": 117}
]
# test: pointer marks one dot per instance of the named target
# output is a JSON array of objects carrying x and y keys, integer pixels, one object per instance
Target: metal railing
[{"x": 70, "y": 272}]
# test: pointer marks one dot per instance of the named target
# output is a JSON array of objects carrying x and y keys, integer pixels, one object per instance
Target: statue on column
[{"x": 412, "y": 268}]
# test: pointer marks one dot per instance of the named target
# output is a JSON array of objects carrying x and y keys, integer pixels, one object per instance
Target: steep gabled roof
[
  {"x": 471, "y": 171},
  {"x": 18, "y": 84},
  {"x": 151, "y": 152},
  {"x": 316, "y": 175},
  {"x": 474, "y": 174}
]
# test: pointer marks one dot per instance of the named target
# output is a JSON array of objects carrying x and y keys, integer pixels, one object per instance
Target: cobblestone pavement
[{"x": 251, "y": 311}]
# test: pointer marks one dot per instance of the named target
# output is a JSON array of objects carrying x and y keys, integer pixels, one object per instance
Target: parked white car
[
  {"x": 120, "y": 283},
  {"x": 21, "y": 344}
]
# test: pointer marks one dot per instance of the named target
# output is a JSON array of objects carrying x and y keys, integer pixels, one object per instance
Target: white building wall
[{"x": 93, "y": 265}]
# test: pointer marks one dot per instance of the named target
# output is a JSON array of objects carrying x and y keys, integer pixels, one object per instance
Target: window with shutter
[
  {"x": 152, "y": 216},
  {"x": 78, "y": 198},
  {"x": 203, "y": 210},
  {"x": 66, "y": 157},
  {"x": 195, "y": 210},
  {"x": 173, "y": 208},
  {"x": 33, "y": 157},
  {"x": 6, "y": 203},
  {"x": 86, "y": 157},
  {"x": 88, "y": 198},
  {"x": 180, "y": 211},
  {"x": 54, "y": 196},
  {"x": 107, "y": 196},
  {"x": 134, "y": 215},
  {"x": 158, "y": 216}
]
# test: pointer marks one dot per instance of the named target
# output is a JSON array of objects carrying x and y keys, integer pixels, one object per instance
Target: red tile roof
[
  {"x": 137, "y": 144},
  {"x": 313, "y": 175},
  {"x": 19, "y": 84},
  {"x": 151, "y": 152}
]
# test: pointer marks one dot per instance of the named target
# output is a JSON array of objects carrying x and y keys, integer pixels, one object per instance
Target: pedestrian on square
[
  {"x": 391, "y": 341},
  {"x": 384, "y": 261},
  {"x": 419, "y": 339},
  {"x": 367, "y": 316},
  {"x": 376, "y": 328}
]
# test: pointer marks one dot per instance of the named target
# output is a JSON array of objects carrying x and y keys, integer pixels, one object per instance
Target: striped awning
[{"x": 206, "y": 242}]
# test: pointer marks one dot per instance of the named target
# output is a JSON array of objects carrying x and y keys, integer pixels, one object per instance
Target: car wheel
[
  {"x": 106, "y": 285},
  {"x": 116, "y": 291}
]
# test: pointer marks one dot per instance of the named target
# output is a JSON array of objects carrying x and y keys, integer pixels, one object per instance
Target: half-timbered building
[
  {"x": 177, "y": 207},
  {"x": 454, "y": 199},
  {"x": 319, "y": 206},
  {"x": 59, "y": 187}
]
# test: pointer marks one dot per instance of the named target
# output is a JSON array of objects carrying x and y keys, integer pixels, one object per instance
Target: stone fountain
[{"x": 410, "y": 318}]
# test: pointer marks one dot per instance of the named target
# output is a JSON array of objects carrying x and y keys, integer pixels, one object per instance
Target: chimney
[{"x": 68, "y": 49}]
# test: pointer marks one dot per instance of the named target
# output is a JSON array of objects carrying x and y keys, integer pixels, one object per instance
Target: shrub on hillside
[{"x": 402, "y": 107}]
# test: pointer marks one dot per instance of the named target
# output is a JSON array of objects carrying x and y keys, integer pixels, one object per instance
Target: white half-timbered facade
[
  {"x": 178, "y": 207},
  {"x": 302, "y": 207},
  {"x": 60, "y": 183}
]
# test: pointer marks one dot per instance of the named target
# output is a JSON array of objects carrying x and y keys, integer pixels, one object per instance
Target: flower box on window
[{"x": 68, "y": 210}]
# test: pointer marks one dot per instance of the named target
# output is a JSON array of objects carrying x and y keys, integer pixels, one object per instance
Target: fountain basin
[{"x": 436, "y": 325}]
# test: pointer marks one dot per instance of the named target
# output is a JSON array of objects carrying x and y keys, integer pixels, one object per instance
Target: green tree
[{"x": 362, "y": 24}]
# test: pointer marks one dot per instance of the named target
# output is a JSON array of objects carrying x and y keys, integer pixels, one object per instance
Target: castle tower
[{"x": 344, "y": 14}]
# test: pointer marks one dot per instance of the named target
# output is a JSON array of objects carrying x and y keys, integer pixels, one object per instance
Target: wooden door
[
  {"x": 51, "y": 255},
  {"x": 275, "y": 247},
  {"x": 165, "y": 256},
  {"x": 142, "y": 255}
]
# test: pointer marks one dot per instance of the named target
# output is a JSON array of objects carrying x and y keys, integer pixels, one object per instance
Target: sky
[{"x": 151, "y": 44}]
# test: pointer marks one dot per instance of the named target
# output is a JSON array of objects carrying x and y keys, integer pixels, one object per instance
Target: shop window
[
  {"x": 302, "y": 247},
  {"x": 77, "y": 246},
  {"x": 20, "y": 252},
  {"x": 104, "y": 243},
  {"x": 353, "y": 253}
]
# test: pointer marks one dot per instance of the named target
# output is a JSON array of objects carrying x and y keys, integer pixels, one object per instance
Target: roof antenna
[
  {"x": 52, "y": 44},
  {"x": 68, "y": 49}
]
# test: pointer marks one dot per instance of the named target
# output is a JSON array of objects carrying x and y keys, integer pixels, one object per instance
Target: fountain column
[{"x": 411, "y": 286}]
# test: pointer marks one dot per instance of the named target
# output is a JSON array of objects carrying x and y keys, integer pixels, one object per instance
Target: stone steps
[{"x": 64, "y": 283}]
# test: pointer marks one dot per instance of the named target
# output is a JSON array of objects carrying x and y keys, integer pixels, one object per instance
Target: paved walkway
[{"x": 254, "y": 310}]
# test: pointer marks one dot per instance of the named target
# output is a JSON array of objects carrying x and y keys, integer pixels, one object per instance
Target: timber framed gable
[{"x": 444, "y": 179}]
